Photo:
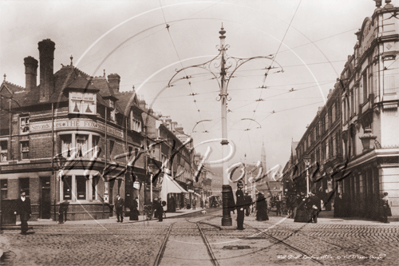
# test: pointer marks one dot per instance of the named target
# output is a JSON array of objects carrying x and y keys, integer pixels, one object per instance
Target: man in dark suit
[
  {"x": 119, "y": 202},
  {"x": 24, "y": 211},
  {"x": 240, "y": 205}
]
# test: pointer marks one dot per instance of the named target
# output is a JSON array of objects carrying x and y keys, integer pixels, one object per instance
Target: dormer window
[
  {"x": 24, "y": 125},
  {"x": 135, "y": 124},
  {"x": 82, "y": 103},
  {"x": 111, "y": 104}
]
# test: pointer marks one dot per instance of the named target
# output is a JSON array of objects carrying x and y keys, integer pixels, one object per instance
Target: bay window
[
  {"x": 77, "y": 187},
  {"x": 82, "y": 144},
  {"x": 67, "y": 187}
]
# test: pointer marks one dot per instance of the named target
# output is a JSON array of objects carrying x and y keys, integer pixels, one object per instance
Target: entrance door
[{"x": 45, "y": 202}]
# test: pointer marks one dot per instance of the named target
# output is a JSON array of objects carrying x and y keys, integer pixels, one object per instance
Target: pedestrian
[
  {"x": 172, "y": 205},
  {"x": 63, "y": 212},
  {"x": 313, "y": 206},
  {"x": 119, "y": 202},
  {"x": 248, "y": 203},
  {"x": 386, "y": 209},
  {"x": 300, "y": 211},
  {"x": 261, "y": 208},
  {"x": 194, "y": 203},
  {"x": 134, "y": 213},
  {"x": 159, "y": 210},
  {"x": 240, "y": 206},
  {"x": 338, "y": 206},
  {"x": 278, "y": 207},
  {"x": 155, "y": 207},
  {"x": 24, "y": 211}
]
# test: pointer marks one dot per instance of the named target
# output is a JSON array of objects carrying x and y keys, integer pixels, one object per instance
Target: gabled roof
[{"x": 125, "y": 99}]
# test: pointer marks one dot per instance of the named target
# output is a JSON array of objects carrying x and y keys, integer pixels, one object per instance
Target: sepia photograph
[{"x": 199, "y": 132}]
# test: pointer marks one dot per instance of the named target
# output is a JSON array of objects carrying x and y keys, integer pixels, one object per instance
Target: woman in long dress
[
  {"x": 261, "y": 208},
  {"x": 134, "y": 214},
  {"x": 386, "y": 209}
]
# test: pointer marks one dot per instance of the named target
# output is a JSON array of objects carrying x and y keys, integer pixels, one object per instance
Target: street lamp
[
  {"x": 306, "y": 160},
  {"x": 152, "y": 168},
  {"x": 228, "y": 66}
]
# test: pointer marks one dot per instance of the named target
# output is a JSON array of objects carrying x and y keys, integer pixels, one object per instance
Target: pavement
[
  {"x": 112, "y": 219},
  {"x": 50, "y": 222},
  {"x": 54, "y": 244}
]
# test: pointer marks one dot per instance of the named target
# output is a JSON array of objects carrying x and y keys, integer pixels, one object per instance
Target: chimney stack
[
  {"x": 113, "y": 81},
  {"x": 30, "y": 73},
  {"x": 46, "y": 54}
]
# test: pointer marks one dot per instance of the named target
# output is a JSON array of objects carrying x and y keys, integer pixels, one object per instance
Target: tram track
[
  {"x": 212, "y": 258},
  {"x": 315, "y": 238},
  {"x": 278, "y": 241}
]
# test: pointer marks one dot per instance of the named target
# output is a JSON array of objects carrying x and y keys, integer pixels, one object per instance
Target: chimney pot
[
  {"x": 113, "y": 81},
  {"x": 46, "y": 54},
  {"x": 30, "y": 72}
]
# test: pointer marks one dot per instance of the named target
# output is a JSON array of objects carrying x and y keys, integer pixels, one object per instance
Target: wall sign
[{"x": 74, "y": 124}]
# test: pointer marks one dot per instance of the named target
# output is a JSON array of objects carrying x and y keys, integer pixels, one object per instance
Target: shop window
[
  {"x": 24, "y": 124},
  {"x": 24, "y": 150},
  {"x": 24, "y": 185},
  {"x": 94, "y": 188},
  {"x": 67, "y": 187},
  {"x": 66, "y": 145},
  {"x": 4, "y": 188},
  {"x": 3, "y": 150},
  {"x": 82, "y": 145},
  {"x": 81, "y": 187}
]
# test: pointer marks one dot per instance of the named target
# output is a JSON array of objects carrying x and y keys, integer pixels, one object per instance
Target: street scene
[{"x": 172, "y": 132}]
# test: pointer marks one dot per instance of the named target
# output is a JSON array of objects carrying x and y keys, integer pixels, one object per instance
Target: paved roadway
[{"x": 278, "y": 241}]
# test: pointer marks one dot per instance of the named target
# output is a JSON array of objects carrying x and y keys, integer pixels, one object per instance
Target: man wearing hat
[
  {"x": 240, "y": 205},
  {"x": 24, "y": 211}
]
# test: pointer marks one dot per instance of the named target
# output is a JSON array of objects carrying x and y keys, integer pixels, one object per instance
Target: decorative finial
[
  {"x": 5, "y": 77},
  {"x": 222, "y": 31},
  {"x": 71, "y": 60},
  {"x": 133, "y": 88},
  {"x": 104, "y": 73},
  {"x": 378, "y": 3}
]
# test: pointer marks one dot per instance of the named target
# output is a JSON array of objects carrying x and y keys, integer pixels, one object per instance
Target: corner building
[
  {"x": 70, "y": 138},
  {"x": 359, "y": 125},
  {"x": 370, "y": 119}
]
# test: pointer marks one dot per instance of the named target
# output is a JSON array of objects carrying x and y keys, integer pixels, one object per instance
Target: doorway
[{"x": 45, "y": 199}]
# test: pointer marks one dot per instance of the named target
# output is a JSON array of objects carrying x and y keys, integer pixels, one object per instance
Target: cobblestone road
[{"x": 274, "y": 242}]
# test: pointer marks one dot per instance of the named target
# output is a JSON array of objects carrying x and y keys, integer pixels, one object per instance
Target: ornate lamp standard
[
  {"x": 152, "y": 168},
  {"x": 306, "y": 160},
  {"x": 228, "y": 66}
]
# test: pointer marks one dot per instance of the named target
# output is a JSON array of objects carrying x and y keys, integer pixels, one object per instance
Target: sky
[{"x": 146, "y": 42}]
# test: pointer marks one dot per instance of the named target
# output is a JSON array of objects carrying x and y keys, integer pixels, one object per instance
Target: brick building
[
  {"x": 358, "y": 127},
  {"x": 71, "y": 137}
]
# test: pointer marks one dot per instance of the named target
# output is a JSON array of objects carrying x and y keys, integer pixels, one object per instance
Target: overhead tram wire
[
  {"x": 269, "y": 98},
  {"x": 274, "y": 57}
]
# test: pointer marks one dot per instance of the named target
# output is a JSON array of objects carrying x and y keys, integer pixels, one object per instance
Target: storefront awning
[{"x": 170, "y": 186}]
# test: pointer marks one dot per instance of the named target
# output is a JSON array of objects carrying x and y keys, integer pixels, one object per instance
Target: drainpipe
[
  {"x": 52, "y": 162},
  {"x": 106, "y": 150}
]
